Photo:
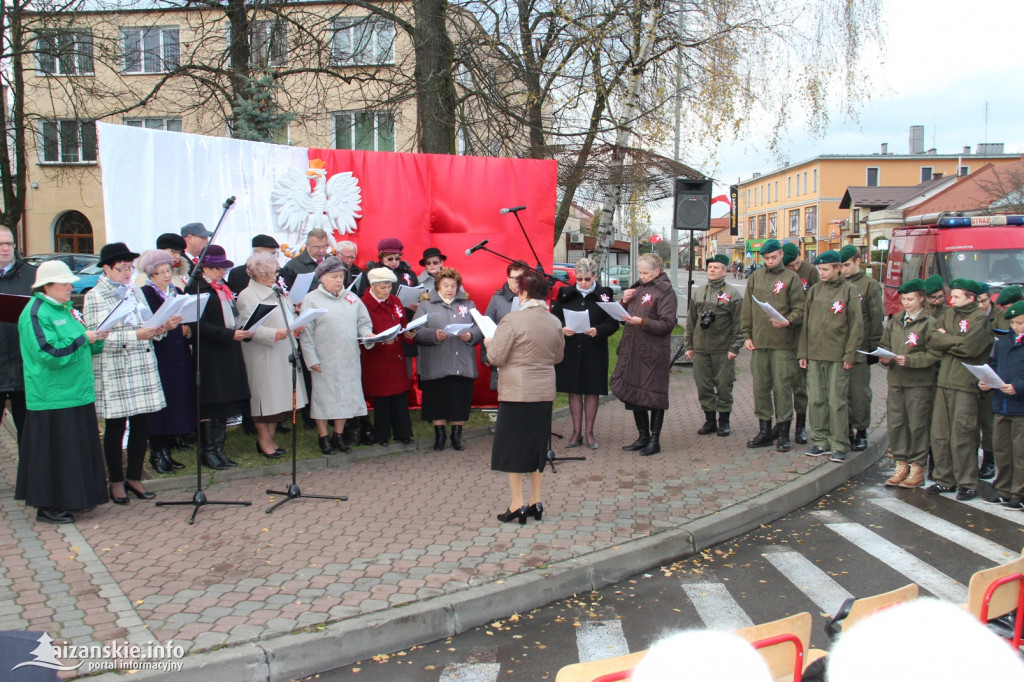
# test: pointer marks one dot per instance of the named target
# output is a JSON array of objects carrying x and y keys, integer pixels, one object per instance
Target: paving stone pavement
[{"x": 418, "y": 524}]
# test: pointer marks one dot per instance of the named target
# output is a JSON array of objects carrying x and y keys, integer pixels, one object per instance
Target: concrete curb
[{"x": 299, "y": 654}]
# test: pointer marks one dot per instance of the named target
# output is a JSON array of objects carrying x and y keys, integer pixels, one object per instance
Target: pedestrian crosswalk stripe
[
  {"x": 950, "y": 531},
  {"x": 470, "y": 672},
  {"x": 600, "y": 639},
  {"x": 716, "y": 607},
  {"x": 997, "y": 510},
  {"x": 819, "y": 587},
  {"x": 901, "y": 561}
]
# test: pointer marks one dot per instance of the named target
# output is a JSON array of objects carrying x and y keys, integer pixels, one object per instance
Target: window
[
  {"x": 365, "y": 130},
  {"x": 359, "y": 41},
  {"x": 855, "y": 228},
  {"x": 68, "y": 141},
  {"x": 926, "y": 173},
  {"x": 811, "y": 220},
  {"x": 776, "y": 190},
  {"x": 789, "y": 186},
  {"x": 65, "y": 54},
  {"x": 965, "y": 170},
  {"x": 761, "y": 226},
  {"x": 73, "y": 234},
  {"x": 741, "y": 227},
  {"x": 171, "y": 124},
  {"x": 268, "y": 43},
  {"x": 773, "y": 225},
  {"x": 149, "y": 50},
  {"x": 794, "y": 222},
  {"x": 814, "y": 178},
  {"x": 872, "y": 177}
]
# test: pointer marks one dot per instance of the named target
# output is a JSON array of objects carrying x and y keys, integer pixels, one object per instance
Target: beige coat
[
  {"x": 526, "y": 347},
  {"x": 266, "y": 361}
]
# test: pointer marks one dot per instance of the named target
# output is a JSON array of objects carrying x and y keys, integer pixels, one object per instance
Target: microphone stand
[
  {"x": 527, "y": 238},
  {"x": 199, "y": 498},
  {"x": 295, "y": 358}
]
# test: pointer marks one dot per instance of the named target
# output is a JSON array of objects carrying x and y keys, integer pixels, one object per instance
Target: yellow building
[{"x": 800, "y": 203}]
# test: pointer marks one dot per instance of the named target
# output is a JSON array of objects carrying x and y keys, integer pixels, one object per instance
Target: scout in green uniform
[
  {"x": 1009, "y": 296},
  {"x": 911, "y": 376},
  {"x": 772, "y": 344},
  {"x": 962, "y": 335},
  {"x": 860, "y": 376},
  {"x": 808, "y": 275},
  {"x": 713, "y": 340},
  {"x": 829, "y": 338},
  {"x": 986, "y": 417},
  {"x": 1008, "y": 407},
  {"x": 936, "y": 295}
]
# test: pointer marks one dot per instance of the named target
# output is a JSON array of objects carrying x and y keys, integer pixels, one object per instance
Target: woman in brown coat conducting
[{"x": 641, "y": 376}]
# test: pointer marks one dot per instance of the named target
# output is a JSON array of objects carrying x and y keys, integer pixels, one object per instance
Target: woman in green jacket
[{"x": 60, "y": 463}]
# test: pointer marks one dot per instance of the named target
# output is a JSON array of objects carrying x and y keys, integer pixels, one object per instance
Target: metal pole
[{"x": 674, "y": 249}]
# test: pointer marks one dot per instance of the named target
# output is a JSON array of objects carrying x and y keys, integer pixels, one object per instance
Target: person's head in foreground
[{"x": 702, "y": 655}]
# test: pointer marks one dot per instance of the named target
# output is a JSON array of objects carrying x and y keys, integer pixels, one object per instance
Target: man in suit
[
  {"x": 238, "y": 278},
  {"x": 196, "y": 238}
]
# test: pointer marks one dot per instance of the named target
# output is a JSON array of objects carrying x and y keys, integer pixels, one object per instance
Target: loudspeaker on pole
[{"x": 693, "y": 205}]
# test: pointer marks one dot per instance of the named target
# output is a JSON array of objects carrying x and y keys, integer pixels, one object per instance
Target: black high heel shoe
[
  {"x": 118, "y": 500},
  {"x": 510, "y": 515},
  {"x": 535, "y": 510},
  {"x": 575, "y": 443},
  {"x": 276, "y": 454},
  {"x": 138, "y": 493}
]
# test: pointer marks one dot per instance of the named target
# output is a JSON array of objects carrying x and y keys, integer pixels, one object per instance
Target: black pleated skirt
[
  {"x": 446, "y": 398},
  {"x": 60, "y": 462},
  {"x": 521, "y": 437}
]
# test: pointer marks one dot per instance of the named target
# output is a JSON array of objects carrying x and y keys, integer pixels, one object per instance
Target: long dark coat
[
  {"x": 641, "y": 375},
  {"x": 584, "y": 368},
  {"x": 177, "y": 376},
  {"x": 221, "y": 366},
  {"x": 18, "y": 280}
]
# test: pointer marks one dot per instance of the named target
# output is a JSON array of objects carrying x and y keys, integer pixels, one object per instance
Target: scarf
[
  {"x": 531, "y": 303},
  {"x": 447, "y": 301},
  {"x": 224, "y": 292},
  {"x": 587, "y": 292}
]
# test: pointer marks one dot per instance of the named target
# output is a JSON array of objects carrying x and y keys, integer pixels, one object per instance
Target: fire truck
[{"x": 983, "y": 248}]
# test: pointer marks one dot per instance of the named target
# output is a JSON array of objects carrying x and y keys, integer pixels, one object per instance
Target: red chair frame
[
  {"x": 1018, "y": 623},
  {"x": 798, "y": 658}
]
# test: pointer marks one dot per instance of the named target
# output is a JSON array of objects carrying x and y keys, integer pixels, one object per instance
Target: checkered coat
[{"x": 126, "y": 377}]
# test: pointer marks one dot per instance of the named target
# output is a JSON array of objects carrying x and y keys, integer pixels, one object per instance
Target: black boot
[
  {"x": 350, "y": 434},
  {"x": 208, "y": 442},
  {"x": 643, "y": 426},
  {"x": 325, "y": 445},
  {"x": 800, "y": 436},
  {"x": 169, "y": 458},
  {"x": 158, "y": 459},
  {"x": 220, "y": 434},
  {"x": 338, "y": 441},
  {"x": 457, "y": 437},
  {"x": 782, "y": 437},
  {"x": 723, "y": 424},
  {"x": 709, "y": 424},
  {"x": 654, "y": 445},
  {"x": 440, "y": 435},
  {"x": 860, "y": 441},
  {"x": 366, "y": 434},
  {"x": 988, "y": 465},
  {"x": 764, "y": 435}
]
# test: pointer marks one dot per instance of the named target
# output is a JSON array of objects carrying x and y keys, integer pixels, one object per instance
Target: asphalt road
[{"x": 862, "y": 539}]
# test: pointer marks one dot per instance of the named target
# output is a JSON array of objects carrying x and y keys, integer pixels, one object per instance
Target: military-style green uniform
[
  {"x": 935, "y": 311},
  {"x": 954, "y": 429},
  {"x": 808, "y": 275},
  {"x": 860, "y": 376},
  {"x": 986, "y": 417},
  {"x": 908, "y": 408},
  {"x": 773, "y": 361},
  {"x": 713, "y": 371},
  {"x": 830, "y": 335}
]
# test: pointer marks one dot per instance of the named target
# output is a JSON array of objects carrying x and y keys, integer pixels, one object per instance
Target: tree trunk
[
  {"x": 436, "y": 97},
  {"x": 239, "y": 52},
  {"x": 12, "y": 118}
]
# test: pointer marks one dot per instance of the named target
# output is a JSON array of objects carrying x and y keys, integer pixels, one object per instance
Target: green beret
[
  {"x": 911, "y": 286},
  {"x": 790, "y": 252},
  {"x": 1010, "y": 295},
  {"x": 827, "y": 257},
  {"x": 933, "y": 285},
  {"x": 770, "y": 246},
  {"x": 847, "y": 252},
  {"x": 1015, "y": 310},
  {"x": 965, "y": 284},
  {"x": 982, "y": 287},
  {"x": 724, "y": 260}
]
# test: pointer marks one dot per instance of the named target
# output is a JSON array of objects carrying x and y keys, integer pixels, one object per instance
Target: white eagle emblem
[
  {"x": 803, "y": 283},
  {"x": 778, "y": 287},
  {"x": 964, "y": 325},
  {"x": 350, "y": 297},
  {"x": 604, "y": 298},
  {"x": 912, "y": 339},
  {"x": 724, "y": 297},
  {"x": 463, "y": 311},
  {"x": 332, "y": 206},
  {"x": 837, "y": 307},
  {"x": 646, "y": 299},
  {"x": 399, "y": 311}
]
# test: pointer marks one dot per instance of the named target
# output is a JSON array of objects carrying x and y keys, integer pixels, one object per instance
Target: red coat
[{"x": 384, "y": 368}]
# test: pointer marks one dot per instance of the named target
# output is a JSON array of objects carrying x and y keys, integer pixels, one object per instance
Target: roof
[
  {"x": 875, "y": 197},
  {"x": 717, "y": 225},
  {"x": 976, "y": 192}
]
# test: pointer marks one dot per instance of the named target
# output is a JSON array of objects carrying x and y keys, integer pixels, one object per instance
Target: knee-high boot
[
  {"x": 220, "y": 434},
  {"x": 643, "y": 427},
  {"x": 208, "y": 442},
  {"x": 654, "y": 446}
]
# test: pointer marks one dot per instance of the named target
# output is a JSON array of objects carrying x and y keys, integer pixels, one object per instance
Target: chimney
[
  {"x": 917, "y": 139},
  {"x": 885, "y": 148},
  {"x": 967, "y": 149}
]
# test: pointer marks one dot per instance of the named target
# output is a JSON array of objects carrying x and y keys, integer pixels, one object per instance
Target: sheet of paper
[
  {"x": 383, "y": 336},
  {"x": 485, "y": 323},
  {"x": 258, "y": 316},
  {"x": 166, "y": 311},
  {"x": 307, "y": 316},
  {"x": 417, "y": 323},
  {"x": 515, "y": 304},
  {"x": 577, "y": 320},
  {"x": 615, "y": 309},
  {"x": 122, "y": 310},
  {"x": 985, "y": 373},
  {"x": 355, "y": 282},
  {"x": 456, "y": 329},
  {"x": 879, "y": 353},
  {"x": 300, "y": 287},
  {"x": 188, "y": 308},
  {"x": 772, "y": 313},
  {"x": 409, "y": 295}
]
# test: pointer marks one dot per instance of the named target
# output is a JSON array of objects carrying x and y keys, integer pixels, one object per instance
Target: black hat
[
  {"x": 196, "y": 230},
  {"x": 266, "y": 241},
  {"x": 117, "y": 252},
  {"x": 169, "y": 240},
  {"x": 432, "y": 253}
]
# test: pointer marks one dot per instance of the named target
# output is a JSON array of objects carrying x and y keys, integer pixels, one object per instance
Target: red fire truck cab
[{"x": 983, "y": 248}]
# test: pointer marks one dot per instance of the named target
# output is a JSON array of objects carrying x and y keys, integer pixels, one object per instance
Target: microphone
[
  {"x": 277, "y": 289},
  {"x": 514, "y": 209},
  {"x": 470, "y": 252},
  {"x": 229, "y": 202}
]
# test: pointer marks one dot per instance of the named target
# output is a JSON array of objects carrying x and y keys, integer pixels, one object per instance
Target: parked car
[
  {"x": 87, "y": 278},
  {"x": 565, "y": 276},
  {"x": 74, "y": 261}
]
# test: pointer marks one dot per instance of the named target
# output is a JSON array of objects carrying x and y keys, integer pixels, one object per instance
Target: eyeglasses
[
  {"x": 162, "y": 272},
  {"x": 347, "y": 256},
  {"x": 396, "y": 256},
  {"x": 584, "y": 279},
  {"x": 433, "y": 261},
  {"x": 123, "y": 268}
]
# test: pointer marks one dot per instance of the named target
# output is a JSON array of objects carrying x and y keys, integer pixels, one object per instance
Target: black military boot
[
  {"x": 457, "y": 437},
  {"x": 654, "y": 445},
  {"x": 643, "y": 427},
  {"x": 988, "y": 465},
  {"x": 440, "y": 437},
  {"x": 220, "y": 434},
  {"x": 800, "y": 434},
  {"x": 158, "y": 459},
  {"x": 208, "y": 443},
  {"x": 764, "y": 435},
  {"x": 723, "y": 424},
  {"x": 782, "y": 437},
  {"x": 709, "y": 424},
  {"x": 860, "y": 441}
]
